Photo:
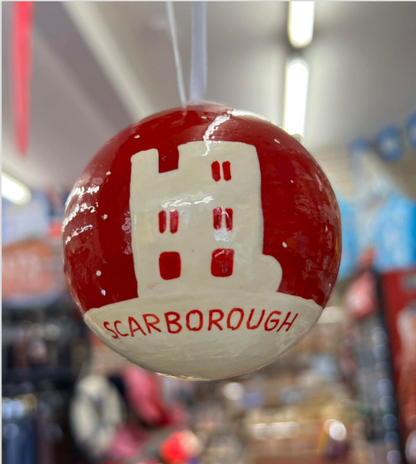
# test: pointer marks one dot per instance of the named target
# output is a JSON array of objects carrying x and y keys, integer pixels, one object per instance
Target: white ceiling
[{"x": 98, "y": 67}]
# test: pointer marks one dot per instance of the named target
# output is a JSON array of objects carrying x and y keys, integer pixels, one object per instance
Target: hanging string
[
  {"x": 178, "y": 63},
  {"x": 198, "y": 81},
  {"x": 198, "y": 78}
]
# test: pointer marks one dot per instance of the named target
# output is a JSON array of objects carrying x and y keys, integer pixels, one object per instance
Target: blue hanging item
[
  {"x": 360, "y": 145},
  {"x": 349, "y": 256},
  {"x": 385, "y": 219},
  {"x": 411, "y": 130},
  {"x": 389, "y": 143},
  {"x": 357, "y": 149},
  {"x": 394, "y": 238}
]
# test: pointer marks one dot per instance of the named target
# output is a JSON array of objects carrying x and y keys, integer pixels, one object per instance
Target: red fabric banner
[{"x": 21, "y": 69}]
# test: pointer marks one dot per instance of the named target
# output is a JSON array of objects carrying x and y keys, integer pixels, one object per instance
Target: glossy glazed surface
[
  {"x": 302, "y": 229},
  {"x": 169, "y": 336}
]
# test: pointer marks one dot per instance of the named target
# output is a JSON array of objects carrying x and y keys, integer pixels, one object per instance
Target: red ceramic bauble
[{"x": 202, "y": 242}]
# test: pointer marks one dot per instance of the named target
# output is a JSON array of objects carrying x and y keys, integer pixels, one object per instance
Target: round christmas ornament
[{"x": 202, "y": 242}]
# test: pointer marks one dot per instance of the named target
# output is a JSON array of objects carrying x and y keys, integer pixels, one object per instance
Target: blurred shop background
[{"x": 340, "y": 75}]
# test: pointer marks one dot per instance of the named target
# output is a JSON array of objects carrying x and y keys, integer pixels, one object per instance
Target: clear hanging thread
[
  {"x": 177, "y": 55},
  {"x": 198, "y": 80},
  {"x": 198, "y": 75}
]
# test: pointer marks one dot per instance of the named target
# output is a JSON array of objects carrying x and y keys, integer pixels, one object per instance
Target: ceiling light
[
  {"x": 296, "y": 96},
  {"x": 13, "y": 190},
  {"x": 300, "y": 23}
]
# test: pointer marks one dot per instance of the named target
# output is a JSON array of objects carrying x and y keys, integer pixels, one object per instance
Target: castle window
[
  {"x": 216, "y": 170},
  {"x": 173, "y": 221},
  {"x": 162, "y": 221},
  {"x": 226, "y": 167},
  {"x": 217, "y": 218},
  {"x": 229, "y": 218},
  {"x": 170, "y": 265},
  {"x": 222, "y": 262},
  {"x": 216, "y": 173},
  {"x": 218, "y": 214}
]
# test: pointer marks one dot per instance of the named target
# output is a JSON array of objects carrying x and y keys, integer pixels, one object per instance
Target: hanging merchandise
[
  {"x": 359, "y": 146},
  {"x": 31, "y": 276},
  {"x": 399, "y": 293},
  {"x": 386, "y": 216},
  {"x": 390, "y": 143},
  {"x": 202, "y": 242},
  {"x": 349, "y": 237},
  {"x": 96, "y": 413}
]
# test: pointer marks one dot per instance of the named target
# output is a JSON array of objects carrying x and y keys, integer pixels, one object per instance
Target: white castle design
[{"x": 199, "y": 228}]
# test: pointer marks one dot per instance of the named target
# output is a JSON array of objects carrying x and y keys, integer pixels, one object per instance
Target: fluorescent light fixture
[
  {"x": 13, "y": 190},
  {"x": 300, "y": 23},
  {"x": 296, "y": 96}
]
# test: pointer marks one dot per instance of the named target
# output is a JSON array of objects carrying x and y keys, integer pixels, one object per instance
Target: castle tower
[{"x": 199, "y": 229}]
